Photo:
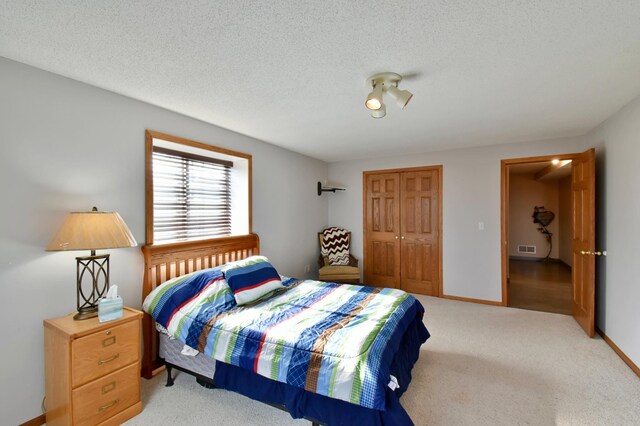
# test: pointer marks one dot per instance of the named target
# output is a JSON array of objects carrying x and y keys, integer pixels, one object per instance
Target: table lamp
[{"x": 93, "y": 231}]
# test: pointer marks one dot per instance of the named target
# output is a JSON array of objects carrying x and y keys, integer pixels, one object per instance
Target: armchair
[{"x": 338, "y": 273}]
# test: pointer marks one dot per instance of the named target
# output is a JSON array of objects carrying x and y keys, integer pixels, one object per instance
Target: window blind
[{"x": 191, "y": 196}]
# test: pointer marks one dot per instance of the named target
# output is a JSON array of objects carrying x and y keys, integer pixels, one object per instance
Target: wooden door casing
[
  {"x": 583, "y": 276},
  {"x": 583, "y": 176},
  {"x": 382, "y": 230},
  {"x": 419, "y": 232}
]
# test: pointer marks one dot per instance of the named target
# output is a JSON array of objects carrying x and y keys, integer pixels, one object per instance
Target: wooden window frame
[{"x": 150, "y": 135}]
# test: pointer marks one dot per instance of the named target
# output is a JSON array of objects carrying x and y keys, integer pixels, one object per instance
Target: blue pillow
[{"x": 251, "y": 278}]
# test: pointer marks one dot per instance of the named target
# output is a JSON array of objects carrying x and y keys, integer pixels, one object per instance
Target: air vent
[{"x": 527, "y": 249}]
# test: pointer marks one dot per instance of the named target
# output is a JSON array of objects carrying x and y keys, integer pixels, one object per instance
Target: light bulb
[
  {"x": 374, "y": 100},
  {"x": 373, "y": 104}
]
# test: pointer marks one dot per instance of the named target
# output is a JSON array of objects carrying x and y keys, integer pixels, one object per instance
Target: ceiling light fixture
[
  {"x": 379, "y": 113},
  {"x": 374, "y": 100},
  {"x": 385, "y": 82},
  {"x": 402, "y": 97}
]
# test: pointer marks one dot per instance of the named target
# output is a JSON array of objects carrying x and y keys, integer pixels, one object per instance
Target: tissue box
[{"x": 109, "y": 309}]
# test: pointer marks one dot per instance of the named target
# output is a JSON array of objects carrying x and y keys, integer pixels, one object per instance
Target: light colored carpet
[{"x": 483, "y": 365}]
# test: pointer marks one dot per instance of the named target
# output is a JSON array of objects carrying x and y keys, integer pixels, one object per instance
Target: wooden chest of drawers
[{"x": 92, "y": 370}]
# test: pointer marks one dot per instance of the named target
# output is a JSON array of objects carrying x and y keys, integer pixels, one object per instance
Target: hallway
[{"x": 540, "y": 286}]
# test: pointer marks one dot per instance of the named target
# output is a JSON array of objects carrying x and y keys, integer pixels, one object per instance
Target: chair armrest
[{"x": 323, "y": 261}]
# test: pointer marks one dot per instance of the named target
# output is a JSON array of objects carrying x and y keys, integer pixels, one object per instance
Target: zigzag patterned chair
[{"x": 336, "y": 263}]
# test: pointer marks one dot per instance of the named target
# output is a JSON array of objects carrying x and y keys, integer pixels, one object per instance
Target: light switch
[{"x": 480, "y": 226}]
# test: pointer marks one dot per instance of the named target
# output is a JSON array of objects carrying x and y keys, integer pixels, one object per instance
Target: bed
[{"x": 294, "y": 349}]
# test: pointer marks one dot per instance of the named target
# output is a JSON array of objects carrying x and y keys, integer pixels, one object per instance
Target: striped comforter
[{"x": 327, "y": 338}]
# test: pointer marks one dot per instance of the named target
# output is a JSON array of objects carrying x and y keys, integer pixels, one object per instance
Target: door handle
[
  {"x": 396, "y": 237},
  {"x": 403, "y": 237},
  {"x": 594, "y": 253}
]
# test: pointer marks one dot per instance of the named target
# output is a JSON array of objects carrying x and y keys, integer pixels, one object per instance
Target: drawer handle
[
  {"x": 104, "y": 361},
  {"x": 108, "y": 341},
  {"x": 109, "y": 405},
  {"x": 108, "y": 387}
]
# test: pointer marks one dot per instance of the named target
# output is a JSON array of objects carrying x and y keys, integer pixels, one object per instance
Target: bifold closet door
[
  {"x": 401, "y": 229},
  {"x": 419, "y": 223},
  {"x": 382, "y": 230}
]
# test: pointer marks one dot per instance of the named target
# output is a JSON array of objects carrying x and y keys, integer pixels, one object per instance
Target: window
[
  {"x": 195, "y": 191},
  {"x": 191, "y": 196}
]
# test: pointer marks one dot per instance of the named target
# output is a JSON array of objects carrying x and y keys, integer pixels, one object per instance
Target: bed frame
[{"x": 166, "y": 261}]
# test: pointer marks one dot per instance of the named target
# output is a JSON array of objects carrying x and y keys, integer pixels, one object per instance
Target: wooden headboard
[{"x": 166, "y": 261}]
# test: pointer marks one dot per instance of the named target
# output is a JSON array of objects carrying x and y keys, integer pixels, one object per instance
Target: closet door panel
[
  {"x": 419, "y": 232},
  {"x": 382, "y": 230}
]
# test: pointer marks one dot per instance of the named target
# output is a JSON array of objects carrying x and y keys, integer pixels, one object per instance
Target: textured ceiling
[
  {"x": 533, "y": 168},
  {"x": 292, "y": 72}
]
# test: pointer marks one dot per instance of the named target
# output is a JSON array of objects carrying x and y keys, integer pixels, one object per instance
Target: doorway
[
  {"x": 540, "y": 236},
  {"x": 538, "y": 279}
]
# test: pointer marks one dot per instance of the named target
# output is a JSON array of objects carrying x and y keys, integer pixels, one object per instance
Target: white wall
[
  {"x": 618, "y": 284},
  {"x": 69, "y": 146},
  {"x": 471, "y": 194}
]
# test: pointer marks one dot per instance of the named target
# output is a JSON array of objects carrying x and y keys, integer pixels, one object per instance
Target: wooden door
[
  {"x": 382, "y": 230},
  {"x": 583, "y": 274},
  {"x": 419, "y": 271}
]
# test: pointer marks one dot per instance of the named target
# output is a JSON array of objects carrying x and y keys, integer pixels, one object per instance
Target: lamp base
[
  {"x": 94, "y": 272},
  {"x": 86, "y": 313}
]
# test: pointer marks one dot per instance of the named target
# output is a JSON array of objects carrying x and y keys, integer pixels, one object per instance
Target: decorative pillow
[
  {"x": 251, "y": 278},
  {"x": 335, "y": 246}
]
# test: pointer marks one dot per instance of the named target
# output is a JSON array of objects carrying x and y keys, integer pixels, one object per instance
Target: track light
[
  {"x": 379, "y": 113},
  {"x": 385, "y": 82},
  {"x": 402, "y": 97},
  {"x": 374, "y": 100}
]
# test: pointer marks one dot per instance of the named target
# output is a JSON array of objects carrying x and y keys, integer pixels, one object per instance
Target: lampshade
[{"x": 92, "y": 230}]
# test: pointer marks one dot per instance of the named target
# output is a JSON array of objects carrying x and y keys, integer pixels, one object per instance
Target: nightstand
[{"x": 92, "y": 370}]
